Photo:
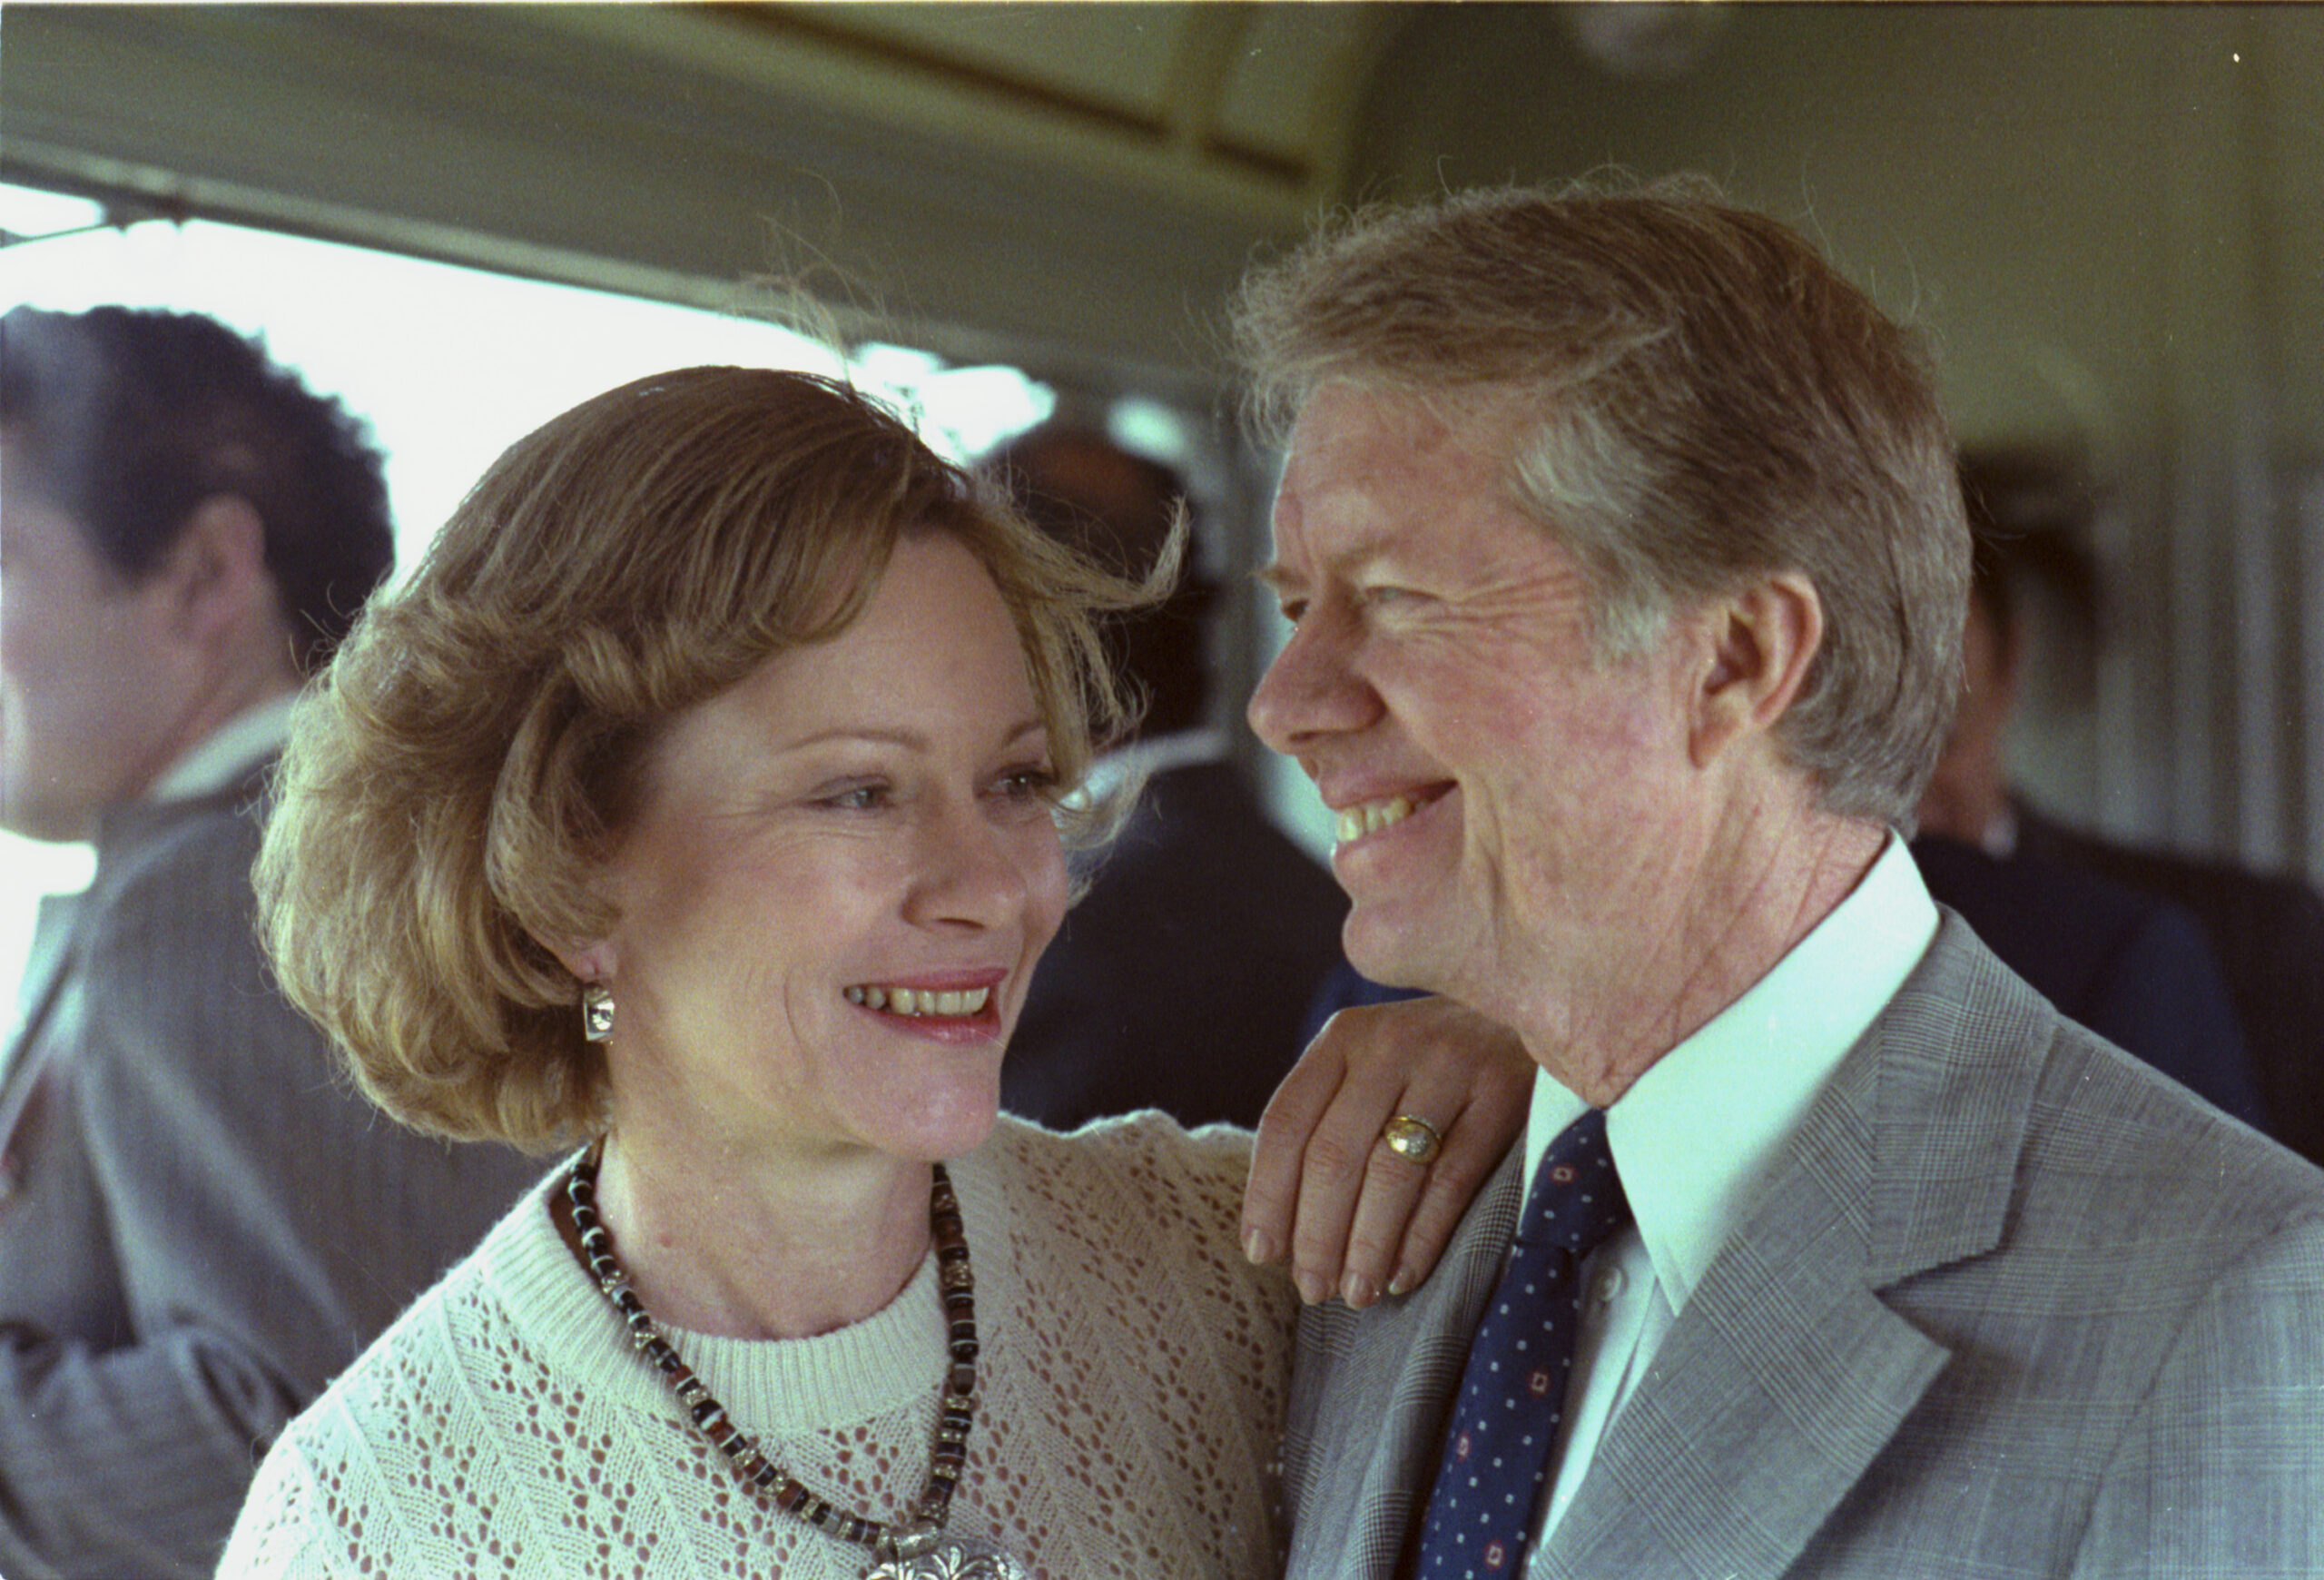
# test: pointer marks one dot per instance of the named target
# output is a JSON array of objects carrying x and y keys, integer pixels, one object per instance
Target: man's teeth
[
  {"x": 1356, "y": 822},
  {"x": 919, "y": 1001}
]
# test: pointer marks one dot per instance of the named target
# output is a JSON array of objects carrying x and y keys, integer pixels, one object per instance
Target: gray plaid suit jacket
[
  {"x": 2012, "y": 1305},
  {"x": 200, "y": 1220}
]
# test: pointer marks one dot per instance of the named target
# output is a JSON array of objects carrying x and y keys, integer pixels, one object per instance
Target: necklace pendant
[{"x": 933, "y": 1556}]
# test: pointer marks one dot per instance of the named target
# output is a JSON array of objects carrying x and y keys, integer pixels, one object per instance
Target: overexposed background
[{"x": 447, "y": 365}]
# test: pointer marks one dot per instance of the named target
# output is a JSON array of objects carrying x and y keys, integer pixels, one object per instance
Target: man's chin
[{"x": 1391, "y": 951}]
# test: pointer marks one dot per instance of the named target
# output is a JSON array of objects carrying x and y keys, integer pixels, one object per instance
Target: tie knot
[{"x": 1576, "y": 1199}]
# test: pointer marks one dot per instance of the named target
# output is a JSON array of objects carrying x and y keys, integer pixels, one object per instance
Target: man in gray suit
[
  {"x": 200, "y": 1221},
  {"x": 1626, "y": 566}
]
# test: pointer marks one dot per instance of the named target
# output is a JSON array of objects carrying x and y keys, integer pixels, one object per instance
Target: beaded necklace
[{"x": 920, "y": 1550}]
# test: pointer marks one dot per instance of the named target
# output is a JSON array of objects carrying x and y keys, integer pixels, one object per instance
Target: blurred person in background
[
  {"x": 2264, "y": 933},
  {"x": 1200, "y": 912},
  {"x": 199, "y": 1221}
]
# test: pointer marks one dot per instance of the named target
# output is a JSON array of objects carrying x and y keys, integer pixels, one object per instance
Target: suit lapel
[
  {"x": 1786, "y": 1376},
  {"x": 123, "y": 833},
  {"x": 55, "y": 936},
  {"x": 1777, "y": 1385}
]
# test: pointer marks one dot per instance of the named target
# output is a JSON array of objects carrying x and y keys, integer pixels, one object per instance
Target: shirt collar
[
  {"x": 1695, "y": 1135},
  {"x": 226, "y": 753}
]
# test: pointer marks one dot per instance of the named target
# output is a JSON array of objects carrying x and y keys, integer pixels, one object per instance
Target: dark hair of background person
[
  {"x": 130, "y": 419},
  {"x": 1121, "y": 508},
  {"x": 2030, "y": 512}
]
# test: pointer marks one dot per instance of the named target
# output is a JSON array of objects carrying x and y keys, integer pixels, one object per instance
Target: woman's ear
[
  {"x": 590, "y": 961},
  {"x": 1760, "y": 640}
]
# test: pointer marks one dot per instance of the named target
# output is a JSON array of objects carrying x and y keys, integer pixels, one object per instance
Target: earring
[{"x": 596, "y": 1011}]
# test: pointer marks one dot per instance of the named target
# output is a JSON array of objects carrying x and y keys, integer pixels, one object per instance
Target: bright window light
[
  {"x": 450, "y": 365},
  {"x": 1150, "y": 428},
  {"x": 27, "y": 212}
]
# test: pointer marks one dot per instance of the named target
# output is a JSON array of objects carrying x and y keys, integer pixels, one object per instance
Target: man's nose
[{"x": 1313, "y": 689}]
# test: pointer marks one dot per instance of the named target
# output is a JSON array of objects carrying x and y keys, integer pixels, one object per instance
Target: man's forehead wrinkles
[{"x": 1328, "y": 535}]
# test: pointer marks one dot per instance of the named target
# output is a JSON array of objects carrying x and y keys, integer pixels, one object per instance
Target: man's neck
[
  {"x": 227, "y": 747},
  {"x": 1744, "y": 910}
]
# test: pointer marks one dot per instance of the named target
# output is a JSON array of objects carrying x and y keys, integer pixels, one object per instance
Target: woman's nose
[{"x": 971, "y": 873}]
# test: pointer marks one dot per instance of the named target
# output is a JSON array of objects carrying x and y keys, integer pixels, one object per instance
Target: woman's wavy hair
[
  {"x": 478, "y": 744},
  {"x": 1702, "y": 398}
]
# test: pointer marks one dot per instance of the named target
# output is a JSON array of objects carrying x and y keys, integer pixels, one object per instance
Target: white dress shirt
[
  {"x": 1695, "y": 1135},
  {"x": 223, "y": 756}
]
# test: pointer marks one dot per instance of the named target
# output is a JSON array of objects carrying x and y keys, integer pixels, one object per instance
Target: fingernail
[
  {"x": 1402, "y": 1284},
  {"x": 1312, "y": 1287},
  {"x": 1359, "y": 1291},
  {"x": 1257, "y": 1247}
]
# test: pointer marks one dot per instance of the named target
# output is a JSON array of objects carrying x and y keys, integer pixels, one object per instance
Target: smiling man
[{"x": 1625, "y": 559}]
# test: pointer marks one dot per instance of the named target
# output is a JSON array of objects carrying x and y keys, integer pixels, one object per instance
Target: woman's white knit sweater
[{"x": 1131, "y": 1393}]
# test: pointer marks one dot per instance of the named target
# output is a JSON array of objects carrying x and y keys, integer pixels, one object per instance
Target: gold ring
[{"x": 1411, "y": 1138}]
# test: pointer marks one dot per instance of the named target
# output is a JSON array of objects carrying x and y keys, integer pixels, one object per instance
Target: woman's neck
[{"x": 746, "y": 1250}]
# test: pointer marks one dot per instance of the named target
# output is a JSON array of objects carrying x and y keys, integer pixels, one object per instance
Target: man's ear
[
  {"x": 215, "y": 576},
  {"x": 1759, "y": 641}
]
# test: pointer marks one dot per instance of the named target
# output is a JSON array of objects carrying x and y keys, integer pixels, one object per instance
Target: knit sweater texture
[{"x": 1131, "y": 1394}]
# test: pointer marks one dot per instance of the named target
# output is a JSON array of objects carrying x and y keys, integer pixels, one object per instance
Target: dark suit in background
[
  {"x": 2132, "y": 968},
  {"x": 2267, "y": 935},
  {"x": 1180, "y": 981}
]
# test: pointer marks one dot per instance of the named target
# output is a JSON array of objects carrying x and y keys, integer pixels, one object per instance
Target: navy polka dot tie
[{"x": 1512, "y": 1392}]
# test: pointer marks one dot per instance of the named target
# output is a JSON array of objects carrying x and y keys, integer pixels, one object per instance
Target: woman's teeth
[
  {"x": 1356, "y": 822},
  {"x": 919, "y": 1001}
]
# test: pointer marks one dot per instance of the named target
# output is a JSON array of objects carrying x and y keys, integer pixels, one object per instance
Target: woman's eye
[
  {"x": 856, "y": 798},
  {"x": 1027, "y": 784}
]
